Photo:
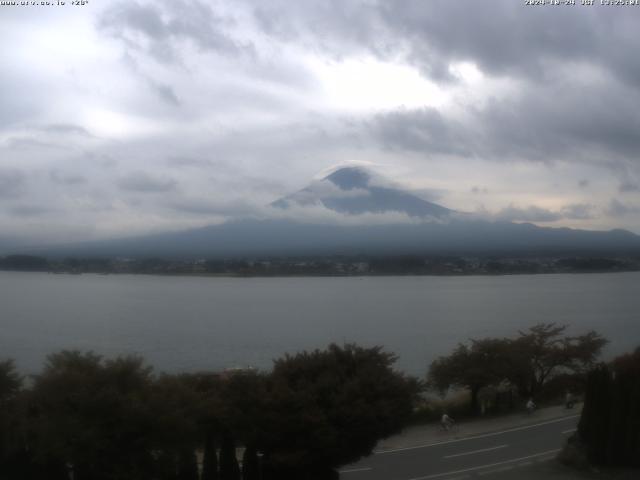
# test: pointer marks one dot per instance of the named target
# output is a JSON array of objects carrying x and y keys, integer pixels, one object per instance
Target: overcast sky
[{"x": 125, "y": 117}]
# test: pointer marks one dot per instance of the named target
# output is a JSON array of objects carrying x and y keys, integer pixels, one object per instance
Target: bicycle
[
  {"x": 452, "y": 427},
  {"x": 531, "y": 407}
]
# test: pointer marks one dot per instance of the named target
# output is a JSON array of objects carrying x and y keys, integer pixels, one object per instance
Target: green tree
[
  {"x": 187, "y": 464},
  {"x": 527, "y": 362},
  {"x": 209, "y": 459},
  {"x": 328, "y": 408},
  {"x": 543, "y": 351},
  {"x": 93, "y": 415},
  {"x": 610, "y": 422},
  {"x": 229, "y": 469},
  {"x": 243, "y": 397},
  {"x": 12, "y": 448},
  {"x": 474, "y": 366},
  {"x": 24, "y": 263},
  {"x": 594, "y": 421},
  {"x": 10, "y": 381},
  {"x": 250, "y": 464}
]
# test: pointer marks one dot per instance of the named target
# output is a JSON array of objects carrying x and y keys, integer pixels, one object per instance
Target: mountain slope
[
  {"x": 349, "y": 193},
  {"x": 254, "y": 238},
  {"x": 351, "y": 190}
]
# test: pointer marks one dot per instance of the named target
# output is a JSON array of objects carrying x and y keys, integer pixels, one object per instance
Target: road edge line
[
  {"x": 480, "y": 467},
  {"x": 473, "y": 437},
  {"x": 482, "y": 450}
]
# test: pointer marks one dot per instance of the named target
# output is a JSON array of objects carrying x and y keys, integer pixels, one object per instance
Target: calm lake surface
[{"x": 193, "y": 323}]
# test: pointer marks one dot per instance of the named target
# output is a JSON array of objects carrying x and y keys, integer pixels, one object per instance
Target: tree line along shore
[
  {"x": 339, "y": 265},
  {"x": 85, "y": 417}
]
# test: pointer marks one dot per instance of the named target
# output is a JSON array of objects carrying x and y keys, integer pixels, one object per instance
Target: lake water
[{"x": 193, "y": 323}]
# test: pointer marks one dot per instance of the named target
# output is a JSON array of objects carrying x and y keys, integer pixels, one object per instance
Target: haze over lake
[{"x": 194, "y": 323}]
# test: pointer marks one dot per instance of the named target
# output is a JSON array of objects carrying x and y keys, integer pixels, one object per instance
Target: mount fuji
[
  {"x": 353, "y": 191},
  {"x": 290, "y": 229}
]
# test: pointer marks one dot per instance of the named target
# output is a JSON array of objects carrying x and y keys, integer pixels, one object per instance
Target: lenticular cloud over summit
[{"x": 354, "y": 191}]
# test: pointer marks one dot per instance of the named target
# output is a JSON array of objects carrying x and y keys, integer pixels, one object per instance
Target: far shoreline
[
  {"x": 308, "y": 275},
  {"x": 335, "y": 266}
]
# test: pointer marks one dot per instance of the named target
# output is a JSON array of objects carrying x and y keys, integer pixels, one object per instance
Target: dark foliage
[
  {"x": 104, "y": 419},
  {"x": 485, "y": 362},
  {"x": 349, "y": 397},
  {"x": 10, "y": 380},
  {"x": 324, "y": 264},
  {"x": 527, "y": 362},
  {"x": 11, "y": 426},
  {"x": 88, "y": 412},
  {"x": 28, "y": 263},
  {"x": 610, "y": 421},
  {"x": 187, "y": 465},
  {"x": 229, "y": 469},
  {"x": 544, "y": 351},
  {"x": 590, "y": 264},
  {"x": 250, "y": 464},
  {"x": 209, "y": 459}
]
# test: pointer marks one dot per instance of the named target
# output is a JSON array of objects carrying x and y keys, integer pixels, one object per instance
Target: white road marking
[
  {"x": 496, "y": 470},
  {"x": 353, "y": 470},
  {"x": 482, "y": 467},
  {"x": 545, "y": 459},
  {"x": 484, "y": 435},
  {"x": 475, "y": 451},
  {"x": 571, "y": 430}
]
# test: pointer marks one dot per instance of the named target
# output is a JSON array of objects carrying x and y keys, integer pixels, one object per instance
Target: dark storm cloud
[
  {"x": 628, "y": 186},
  {"x": 494, "y": 35},
  {"x": 559, "y": 123},
  {"x": 332, "y": 26},
  {"x": 162, "y": 23},
  {"x": 12, "y": 183},
  {"x": 143, "y": 182},
  {"x": 564, "y": 120},
  {"x": 618, "y": 209},
  {"x": 425, "y": 130},
  {"x": 502, "y": 37},
  {"x": 576, "y": 71}
]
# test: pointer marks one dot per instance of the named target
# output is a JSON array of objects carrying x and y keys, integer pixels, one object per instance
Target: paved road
[{"x": 477, "y": 456}]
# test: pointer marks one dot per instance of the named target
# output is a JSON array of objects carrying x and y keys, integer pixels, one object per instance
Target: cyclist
[
  {"x": 446, "y": 422},
  {"x": 569, "y": 401},
  {"x": 530, "y": 406}
]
